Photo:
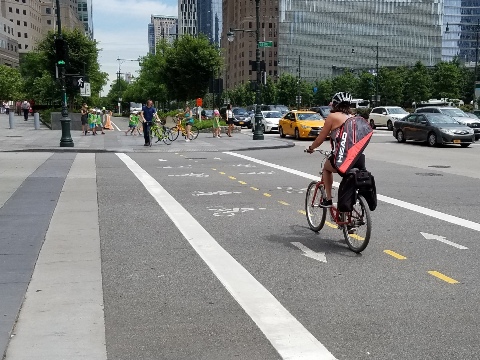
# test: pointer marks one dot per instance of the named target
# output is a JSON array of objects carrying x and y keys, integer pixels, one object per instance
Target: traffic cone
[{"x": 108, "y": 123}]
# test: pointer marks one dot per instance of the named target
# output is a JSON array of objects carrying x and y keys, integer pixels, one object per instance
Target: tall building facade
[
  {"x": 239, "y": 53},
  {"x": 460, "y": 38},
  {"x": 8, "y": 44},
  {"x": 161, "y": 27},
  {"x": 323, "y": 34},
  {"x": 85, "y": 15},
  {"x": 187, "y": 17},
  {"x": 209, "y": 19}
]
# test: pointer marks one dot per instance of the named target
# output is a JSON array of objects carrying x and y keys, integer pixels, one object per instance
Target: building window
[
  {"x": 24, "y": 12},
  {"x": 19, "y": 34},
  {"x": 49, "y": 22},
  {"x": 25, "y": 23},
  {"x": 48, "y": 11},
  {"x": 26, "y": 35},
  {"x": 10, "y": 9},
  {"x": 18, "y": 22},
  {"x": 17, "y": 11}
]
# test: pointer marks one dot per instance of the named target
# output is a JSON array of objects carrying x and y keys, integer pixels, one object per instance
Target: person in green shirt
[
  {"x": 132, "y": 123},
  {"x": 99, "y": 121},
  {"x": 92, "y": 121}
]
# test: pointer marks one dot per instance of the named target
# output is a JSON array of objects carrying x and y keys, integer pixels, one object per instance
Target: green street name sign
[{"x": 265, "y": 43}]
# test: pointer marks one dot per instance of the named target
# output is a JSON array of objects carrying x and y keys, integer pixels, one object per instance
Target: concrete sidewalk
[{"x": 25, "y": 138}]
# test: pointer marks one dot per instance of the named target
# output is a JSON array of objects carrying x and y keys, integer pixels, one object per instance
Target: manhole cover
[
  {"x": 428, "y": 174},
  {"x": 14, "y": 136},
  {"x": 440, "y": 166}
]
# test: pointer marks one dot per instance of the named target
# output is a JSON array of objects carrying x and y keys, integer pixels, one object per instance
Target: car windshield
[
  {"x": 273, "y": 114},
  {"x": 397, "y": 111},
  {"x": 309, "y": 116},
  {"x": 440, "y": 119},
  {"x": 239, "y": 111},
  {"x": 454, "y": 112}
]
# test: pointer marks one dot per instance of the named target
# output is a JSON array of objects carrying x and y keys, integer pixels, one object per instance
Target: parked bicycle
[
  {"x": 161, "y": 132},
  {"x": 356, "y": 225},
  {"x": 180, "y": 128}
]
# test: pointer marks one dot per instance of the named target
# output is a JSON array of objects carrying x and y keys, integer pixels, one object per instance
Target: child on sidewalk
[
  {"x": 99, "y": 121},
  {"x": 92, "y": 121},
  {"x": 216, "y": 123}
]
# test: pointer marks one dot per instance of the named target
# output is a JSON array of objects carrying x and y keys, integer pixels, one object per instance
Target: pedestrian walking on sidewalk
[
  {"x": 92, "y": 120},
  {"x": 84, "y": 118},
  {"x": 229, "y": 115},
  {"x": 99, "y": 122},
  {"x": 18, "y": 108},
  {"x": 7, "y": 107},
  {"x": 147, "y": 114},
  {"x": 25, "y": 109},
  {"x": 216, "y": 123}
]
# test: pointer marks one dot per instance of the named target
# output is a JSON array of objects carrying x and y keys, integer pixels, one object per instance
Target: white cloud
[{"x": 120, "y": 27}]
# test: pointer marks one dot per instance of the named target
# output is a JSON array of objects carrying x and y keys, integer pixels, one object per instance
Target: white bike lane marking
[
  {"x": 389, "y": 200},
  {"x": 287, "y": 335}
]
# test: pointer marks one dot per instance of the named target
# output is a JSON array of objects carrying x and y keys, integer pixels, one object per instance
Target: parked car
[
  {"x": 207, "y": 114},
  {"x": 386, "y": 116},
  {"x": 456, "y": 113},
  {"x": 322, "y": 110},
  {"x": 301, "y": 124},
  {"x": 434, "y": 128},
  {"x": 241, "y": 117},
  {"x": 270, "y": 121},
  {"x": 282, "y": 108}
]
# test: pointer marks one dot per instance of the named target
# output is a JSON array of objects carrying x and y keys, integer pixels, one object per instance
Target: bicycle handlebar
[{"x": 323, "y": 152}]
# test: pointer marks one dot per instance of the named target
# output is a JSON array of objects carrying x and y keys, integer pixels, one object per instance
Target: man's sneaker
[
  {"x": 187, "y": 140},
  {"x": 326, "y": 203},
  {"x": 351, "y": 229}
]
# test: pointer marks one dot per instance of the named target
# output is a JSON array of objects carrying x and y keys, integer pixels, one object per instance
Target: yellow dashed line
[
  {"x": 254, "y": 188},
  {"x": 221, "y": 172},
  {"x": 284, "y": 203},
  {"x": 214, "y": 169},
  {"x": 242, "y": 182},
  {"x": 333, "y": 226},
  {"x": 302, "y": 212},
  {"x": 355, "y": 236},
  {"x": 443, "y": 277},
  {"x": 267, "y": 194},
  {"x": 232, "y": 177},
  {"x": 394, "y": 254}
]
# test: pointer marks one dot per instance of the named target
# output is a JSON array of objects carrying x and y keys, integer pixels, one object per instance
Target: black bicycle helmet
[{"x": 341, "y": 97}]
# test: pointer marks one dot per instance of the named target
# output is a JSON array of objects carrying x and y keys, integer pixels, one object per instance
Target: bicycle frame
[{"x": 334, "y": 213}]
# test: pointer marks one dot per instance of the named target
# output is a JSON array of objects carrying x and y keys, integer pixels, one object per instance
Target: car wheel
[
  {"x": 400, "y": 136},
  {"x": 464, "y": 145},
  {"x": 280, "y": 130},
  {"x": 297, "y": 134},
  {"x": 432, "y": 139},
  {"x": 372, "y": 124},
  {"x": 390, "y": 125}
]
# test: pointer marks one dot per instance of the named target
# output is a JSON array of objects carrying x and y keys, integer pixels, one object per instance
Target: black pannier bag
[
  {"x": 365, "y": 183},
  {"x": 347, "y": 193}
]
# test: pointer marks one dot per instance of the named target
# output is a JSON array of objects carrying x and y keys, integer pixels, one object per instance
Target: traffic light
[{"x": 61, "y": 52}]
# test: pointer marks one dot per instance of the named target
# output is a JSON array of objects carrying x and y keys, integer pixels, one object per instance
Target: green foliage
[
  {"x": 287, "y": 89},
  {"x": 391, "y": 84},
  {"x": 365, "y": 86},
  {"x": 363, "y": 112},
  {"x": 39, "y": 72},
  {"x": 324, "y": 93},
  {"x": 447, "y": 80},
  {"x": 345, "y": 82},
  {"x": 11, "y": 83},
  {"x": 419, "y": 84},
  {"x": 46, "y": 116}
]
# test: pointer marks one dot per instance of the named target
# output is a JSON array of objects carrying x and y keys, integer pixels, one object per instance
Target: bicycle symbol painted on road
[
  {"x": 259, "y": 173},
  {"x": 202, "y": 175},
  {"x": 245, "y": 165},
  {"x": 292, "y": 190},
  {"x": 212, "y": 193},
  {"x": 231, "y": 212}
]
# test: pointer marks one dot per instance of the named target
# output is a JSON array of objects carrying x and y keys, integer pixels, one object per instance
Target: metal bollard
[
  {"x": 11, "y": 119},
  {"x": 36, "y": 121}
]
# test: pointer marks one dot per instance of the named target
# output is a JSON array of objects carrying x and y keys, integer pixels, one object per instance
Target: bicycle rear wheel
[
  {"x": 194, "y": 132},
  {"x": 175, "y": 132},
  {"x": 316, "y": 215},
  {"x": 167, "y": 136},
  {"x": 357, "y": 232}
]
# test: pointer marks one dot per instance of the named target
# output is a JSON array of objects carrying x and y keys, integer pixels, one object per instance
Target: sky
[{"x": 121, "y": 30}]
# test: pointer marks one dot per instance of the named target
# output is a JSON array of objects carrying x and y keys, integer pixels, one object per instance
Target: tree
[
  {"x": 391, "y": 84},
  {"x": 419, "y": 84},
  {"x": 82, "y": 60},
  {"x": 365, "y": 86},
  {"x": 188, "y": 65},
  {"x": 287, "y": 89},
  {"x": 447, "y": 80},
  {"x": 11, "y": 83},
  {"x": 324, "y": 93},
  {"x": 269, "y": 92},
  {"x": 345, "y": 82}
]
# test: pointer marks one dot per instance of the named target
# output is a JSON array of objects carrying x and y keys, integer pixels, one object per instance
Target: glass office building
[
  {"x": 324, "y": 33},
  {"x": 209, "y": 14},
  {"x": 460, "y": 38}
]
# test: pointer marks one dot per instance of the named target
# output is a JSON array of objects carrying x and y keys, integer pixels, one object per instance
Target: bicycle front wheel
[
  {"x": 167, "y": 136},
  {"x": 316, "y": 215},
  {"x": 194, "y": 132},
  {"x": 357, "y": 231},
  {"x": 175, "y": 132}
]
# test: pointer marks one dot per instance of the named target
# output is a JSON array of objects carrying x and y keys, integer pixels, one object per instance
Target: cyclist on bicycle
[
  {"x": 338, "y": 115},
  {"x": 188, "y": 122}
]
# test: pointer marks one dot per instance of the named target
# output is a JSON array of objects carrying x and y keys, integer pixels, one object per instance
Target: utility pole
[
  {"x": 376, "y": 80},
  {"x": 61, "y": 52}
]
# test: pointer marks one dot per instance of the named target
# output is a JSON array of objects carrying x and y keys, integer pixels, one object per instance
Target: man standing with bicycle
[{"x": 147, "y": 114}]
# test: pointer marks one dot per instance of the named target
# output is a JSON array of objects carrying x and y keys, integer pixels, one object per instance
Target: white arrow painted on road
[
  {"x": 443, "y": 239},
  {"x": 310, "y": 253}
]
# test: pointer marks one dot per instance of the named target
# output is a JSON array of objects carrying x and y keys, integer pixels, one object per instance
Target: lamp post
[
  {"x": 258, "y": 132},
  {"x": 66, "y": 139},
  {"x": 376, "y": 73},
  {"x": 477, "y": 30}
]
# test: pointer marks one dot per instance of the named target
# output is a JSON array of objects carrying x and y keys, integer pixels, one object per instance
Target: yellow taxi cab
[{"x": 301, "y": 124}]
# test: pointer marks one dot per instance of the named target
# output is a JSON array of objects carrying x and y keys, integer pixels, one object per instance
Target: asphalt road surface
[{"x": 203, "y": 256}]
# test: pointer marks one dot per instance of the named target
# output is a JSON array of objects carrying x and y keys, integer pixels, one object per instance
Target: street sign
[
  {"x": 80, "y": 82},
  {"x": 315, "y": 89},
  {"x": 265, "y": 43},
  {"x": 85, "y": 90}
]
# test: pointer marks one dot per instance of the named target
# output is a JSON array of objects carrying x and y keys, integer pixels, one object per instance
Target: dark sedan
[{"x": 434, "y": 128}]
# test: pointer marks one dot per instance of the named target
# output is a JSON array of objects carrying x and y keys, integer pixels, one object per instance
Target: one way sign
[{"x": 80, "y": 82}]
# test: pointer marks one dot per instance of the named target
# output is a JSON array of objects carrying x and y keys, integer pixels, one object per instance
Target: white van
[{"x": 359, "y": 103}]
